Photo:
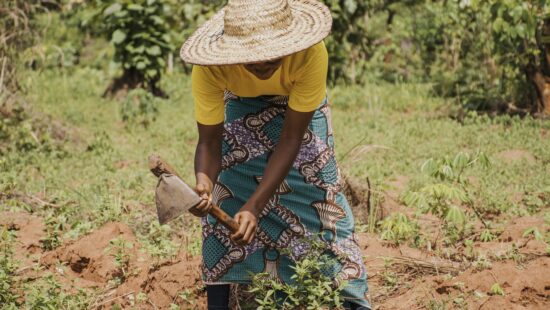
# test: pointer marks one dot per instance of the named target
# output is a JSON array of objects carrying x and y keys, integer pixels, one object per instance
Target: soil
[{"x": 419, "y": 282}]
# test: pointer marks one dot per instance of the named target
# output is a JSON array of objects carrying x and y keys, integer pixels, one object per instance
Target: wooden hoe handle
[{"x": 159, "y": 166}]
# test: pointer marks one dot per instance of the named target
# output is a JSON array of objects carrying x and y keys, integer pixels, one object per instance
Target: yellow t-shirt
[{"x": 302, "y": 76}]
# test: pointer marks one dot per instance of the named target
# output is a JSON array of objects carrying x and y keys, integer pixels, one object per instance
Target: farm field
[{"x": 452, "y": 207}]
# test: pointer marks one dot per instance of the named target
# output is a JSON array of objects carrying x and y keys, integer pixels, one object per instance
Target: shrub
[{"x": 140, "y": 33}]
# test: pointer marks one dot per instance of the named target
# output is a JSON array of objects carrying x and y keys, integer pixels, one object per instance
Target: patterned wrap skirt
[{"x": 308, "y": 204}]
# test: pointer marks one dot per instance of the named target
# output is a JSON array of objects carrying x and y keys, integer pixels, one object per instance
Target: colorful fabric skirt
[{"x": 308, "y": 204}]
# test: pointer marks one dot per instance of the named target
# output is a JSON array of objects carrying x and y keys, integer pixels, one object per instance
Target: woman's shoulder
[{"x": 312, "y": 56}]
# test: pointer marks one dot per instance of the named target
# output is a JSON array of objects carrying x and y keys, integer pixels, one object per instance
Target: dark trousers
[{"x": 218, "y": 298}]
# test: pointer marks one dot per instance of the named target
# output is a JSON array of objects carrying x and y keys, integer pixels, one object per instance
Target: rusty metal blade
[{"x": 173, "y": 197}]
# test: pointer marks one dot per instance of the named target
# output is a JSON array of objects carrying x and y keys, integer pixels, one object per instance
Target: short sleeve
[
  {"x": 207, "y": 88},
  {"x": 309, "y": 88}
]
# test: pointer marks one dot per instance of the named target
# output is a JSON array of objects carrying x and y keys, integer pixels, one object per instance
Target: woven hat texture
[{"x": 249, "y": 31}]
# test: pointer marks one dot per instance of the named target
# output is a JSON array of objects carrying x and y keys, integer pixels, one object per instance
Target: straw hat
[{"x": 248, "y": 31}]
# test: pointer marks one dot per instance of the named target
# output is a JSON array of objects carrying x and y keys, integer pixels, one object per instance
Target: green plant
[
  {"x": 55, "y": 225},
  {"x": 8, "y": 266},
  {"x": 158, "y": 241},
  {"x": 118, "y": 248},
  {"x": 390, "y": 278},
  {"x": 535, "y": 232},
  {"x": 437, "y": 305},
  {"x": 397, "y": 228},
  {"x": 140, "y": 33},
  {"x": 47, "y": 293},
  {"x": 496, "y": 289},
  {"x": 482, "y": 263},
  {"x": 486, "y": 236},
  {"x": 139, "y": 107},
  {"x": 447, "y": 191},
  {"x": 347, "y": 46},
  {"x": 311, "y": 287}
]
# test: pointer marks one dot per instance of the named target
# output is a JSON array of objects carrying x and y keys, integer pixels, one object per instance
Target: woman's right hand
[{"x": 204, "y": 190}]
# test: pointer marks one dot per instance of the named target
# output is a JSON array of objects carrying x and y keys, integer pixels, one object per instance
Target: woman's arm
[
  {"x": 207, "y": 164},
  {"x": 280, "y": 162}
]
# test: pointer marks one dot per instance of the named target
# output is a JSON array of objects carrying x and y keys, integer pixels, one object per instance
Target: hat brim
[{"x": 311, "y": 23}]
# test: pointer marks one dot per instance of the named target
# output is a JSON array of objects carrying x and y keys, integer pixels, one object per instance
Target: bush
[{"x": 140, "y": 33}]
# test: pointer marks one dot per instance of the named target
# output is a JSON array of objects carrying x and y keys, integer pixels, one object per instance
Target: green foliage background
[{"x": 478, "y": 53}]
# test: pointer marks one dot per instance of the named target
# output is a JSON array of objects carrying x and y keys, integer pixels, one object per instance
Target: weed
[
  {"x": 140, "y": 107},
  {"x": 8, "y": 266},
  {"x": 533, "y": 231},
  {"x": 496, "y": 289},
  {"x": 537, "y": 200},
  {"x": 390, "y": 279},
  {"x": 118, "y": 248},
  {"x": 437, "y": 305},
  {"x": 486, "y": 236},
  {"x": 482, "y": 263},
  {"x": 158, "y": 241},
  {"x": 460, "y": 302},
  {"x": 54, "y": 230},
  {"x": 512, "y": 253},
  {"x": 188, "y": 297},
  {"x": 47, "y": 293}
]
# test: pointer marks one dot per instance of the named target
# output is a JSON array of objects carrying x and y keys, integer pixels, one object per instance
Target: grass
[{"x": 382, "y": 132}]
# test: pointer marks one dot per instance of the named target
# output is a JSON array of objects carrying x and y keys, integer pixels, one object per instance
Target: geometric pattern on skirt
[{"x": 308, "y": 204}]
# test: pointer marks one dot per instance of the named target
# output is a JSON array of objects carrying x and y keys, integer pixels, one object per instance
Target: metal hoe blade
[{"x": 173, "y": 197}]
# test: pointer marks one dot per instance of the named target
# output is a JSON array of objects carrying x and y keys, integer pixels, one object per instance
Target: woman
[{"x": 266, "y": 152}]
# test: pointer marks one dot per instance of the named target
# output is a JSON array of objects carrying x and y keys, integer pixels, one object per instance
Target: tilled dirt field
[{"x": 399, "y": 277}]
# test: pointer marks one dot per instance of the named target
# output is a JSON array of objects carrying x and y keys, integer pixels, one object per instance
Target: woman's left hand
[{"x": 248, "y": 222}]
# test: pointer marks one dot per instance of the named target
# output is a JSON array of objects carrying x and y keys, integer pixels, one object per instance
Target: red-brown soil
[
  {"x": 29, "y": 230},
  {"x": 150, "y": 284}
]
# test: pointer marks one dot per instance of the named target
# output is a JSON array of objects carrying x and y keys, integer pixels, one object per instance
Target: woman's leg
[{"x": 218, "y": 297}]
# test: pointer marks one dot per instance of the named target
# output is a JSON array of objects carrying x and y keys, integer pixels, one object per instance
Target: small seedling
[
  {"x": 496, "y": 289},
  {"x": 486, "y": 236},
  {"x": 397, "y": 228}
]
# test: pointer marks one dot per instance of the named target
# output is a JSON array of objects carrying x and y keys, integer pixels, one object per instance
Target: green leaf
[
  {"x": 118, "y": 36},
  {"x": 154, "y": 50},
  {"x": 496, "y": 289},
  {"x": 113, "y": 8},
  {"x": 461, "y": 161},
  {"x": 456, "y": 216},
  {"x": 135, "y": 7},
  {"x": 141, "y": 65}
]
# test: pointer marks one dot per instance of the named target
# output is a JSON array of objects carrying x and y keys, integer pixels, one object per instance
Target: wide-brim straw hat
[{"x": 249, "y": 31}]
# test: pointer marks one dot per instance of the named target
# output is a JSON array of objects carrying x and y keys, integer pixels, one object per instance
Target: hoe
[{"x": 174, "y": 197}]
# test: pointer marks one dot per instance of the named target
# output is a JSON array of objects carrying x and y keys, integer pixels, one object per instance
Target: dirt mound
[
  {"x": 29, "y": 231},
  {"x": 525, "y": 287},
  {"x": 174, "y": 282},
  {"x": 147, "y": 283},
  {"x": 89, "y": 257}
]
